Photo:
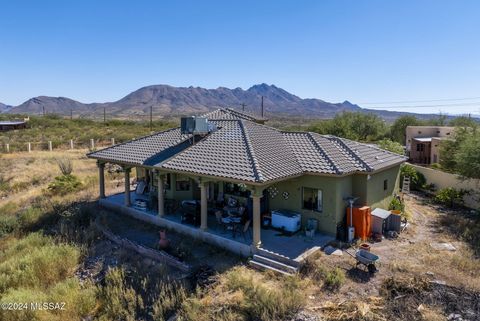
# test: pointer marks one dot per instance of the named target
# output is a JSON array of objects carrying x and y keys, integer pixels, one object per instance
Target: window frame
[
  {"x": 319, "y": 202},
  {"x": 181, "y": 180}
]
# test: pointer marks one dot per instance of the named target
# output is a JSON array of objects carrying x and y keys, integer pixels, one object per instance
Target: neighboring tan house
[
  {"x": 423, "y": 142},
  {"x": 276, "y": 176}
]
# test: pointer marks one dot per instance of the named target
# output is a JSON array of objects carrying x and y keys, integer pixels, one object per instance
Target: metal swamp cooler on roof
[{"x": 194, "y": 125}]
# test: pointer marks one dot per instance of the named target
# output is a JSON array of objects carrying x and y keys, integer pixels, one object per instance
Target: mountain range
[{"x": 167, "y": 100}]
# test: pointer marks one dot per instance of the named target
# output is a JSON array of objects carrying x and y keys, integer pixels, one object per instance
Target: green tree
[
  {"x": 391, "y": 146},
  {"x": 397, "y": 130},
  {"x": 440, "y": 120},
  {"x": 463, "y": 121},
  {"x": 354, "y": 125},
  {"x": 450, "y": 147},
  {"x": 467, "y": 157}
]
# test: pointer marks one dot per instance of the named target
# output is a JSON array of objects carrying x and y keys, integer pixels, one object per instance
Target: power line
[
  {"x": 475, "y": 104},
  {"x": 417, "y": 101}
]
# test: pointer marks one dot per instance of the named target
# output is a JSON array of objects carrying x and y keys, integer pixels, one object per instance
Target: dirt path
[{"x": 409, "y": 255}]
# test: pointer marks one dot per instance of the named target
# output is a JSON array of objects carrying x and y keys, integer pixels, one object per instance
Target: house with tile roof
[{"x": 264, "y": 170}]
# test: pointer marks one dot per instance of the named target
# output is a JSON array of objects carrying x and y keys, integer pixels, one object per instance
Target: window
[
  {"x": 385, "y": 184},
  {"x": 312, "y": 199},
  {"x": 182, "y": 184},
  {"x": 420, "y": 147},
  {"x": 236, "y": 189}
]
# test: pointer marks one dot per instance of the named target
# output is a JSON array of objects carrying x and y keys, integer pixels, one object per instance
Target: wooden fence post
[
  {"x": 71, "y": 143},
  {"x": 113, "y": 141},
  {"x": 92, "y": 144},
  {"x": 7, "y": 147},
  {"x": 50, "y": 145},
  {"x": 29, "y": 147}
]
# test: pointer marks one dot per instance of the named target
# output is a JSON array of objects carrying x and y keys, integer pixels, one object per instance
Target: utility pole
[
  {"x": 43, "y": 108},
  {"x": 151, "y": 118},
  {"x": 104, "y": 116},
  {"x": 71, "y": 114},
  {"x": 243, "y": 106},
  {"x": 262, "y": 106}
]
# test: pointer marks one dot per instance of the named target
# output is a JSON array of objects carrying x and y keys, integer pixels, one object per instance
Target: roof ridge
[
  {"x": 244, "y": 114},
  {"x": 251, "y": 153},
  {"x": 137, "y": 139},
  {"x": 374, "y": 146},
  {"x": 350, "y": 151},
  {"x": 324, "y": 153}
]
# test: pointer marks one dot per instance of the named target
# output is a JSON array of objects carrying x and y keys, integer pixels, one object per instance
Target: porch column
[
  {"x": 161, "y": 195},
  {"x": 127, "y": 186},
  {"x": 203, "y": 206},
  {"x": 101, "y": 178},
  {"x": 256, "y": 241}
]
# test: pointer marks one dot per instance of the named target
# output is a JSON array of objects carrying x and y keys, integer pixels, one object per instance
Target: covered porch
[
  {"x": 159, "y": 208},
  {"x": 294, "y": 247}
]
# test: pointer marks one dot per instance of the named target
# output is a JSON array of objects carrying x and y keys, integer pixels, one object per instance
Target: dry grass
[
  {"x": 244, "y": 294},
  {"x": 36, "y": 170}
]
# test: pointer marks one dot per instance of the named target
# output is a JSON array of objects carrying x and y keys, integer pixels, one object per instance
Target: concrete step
[
  {"x": 263, "y": 267},
  {"x": 277, "y": 257},
  {"x": 276, "y": 264}
]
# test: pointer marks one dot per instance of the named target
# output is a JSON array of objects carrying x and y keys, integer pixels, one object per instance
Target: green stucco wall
[
  {"x": 333, "y": 188},
  {"x": 376, "y": 195}
]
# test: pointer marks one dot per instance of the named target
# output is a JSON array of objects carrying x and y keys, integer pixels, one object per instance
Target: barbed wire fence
[{"x": 72, "y": 144}]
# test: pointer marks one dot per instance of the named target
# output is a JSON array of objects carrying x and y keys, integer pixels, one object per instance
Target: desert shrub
[
  {"x": 417, "y": 179},
  {"x": 334, "y": 279},
  {"x": 65, "y": 184},
  {"x": 396, "y": 204},
  {"x": 29, "y": 216},
  {"x": 436, "y": 166},
  {"x": 450, "y": 196},
  {"x": 395, "y": 286},
  {"x": 169, "y": 297},
  {"x": 9, "y": 209},
  {"x": 4, "y": 185},
  {"x": 19, "y": 186},
  {"x": 79, "y": 302},
  {"x": 245, "y": 295},
  {"x": 138, "y": 296},
  {"x": 65, "y": 165},
  {"x": 314, "y": 270},
  {"x": 25, "y": 295},
  {"x": 36, "y": 261},
  {"x": 8, "y": 224},
  {"x": 465, "y": 227},
  {"x": 118, "y": 300}
]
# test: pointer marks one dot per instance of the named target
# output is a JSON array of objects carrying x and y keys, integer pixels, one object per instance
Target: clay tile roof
[
  {"x": 141, "y": 150},
  {"x": 232, "y": 114},
  {"x": 244, "y": 150}
]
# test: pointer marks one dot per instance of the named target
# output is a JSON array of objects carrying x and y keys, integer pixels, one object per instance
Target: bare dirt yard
[{"x": 428, "y": 273}]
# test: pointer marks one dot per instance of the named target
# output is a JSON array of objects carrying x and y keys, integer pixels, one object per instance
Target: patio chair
[
  {"x": 141, "y": 188},
  {"x": 246, "y": 230},
  {"x": 219, "y": 216},
  {"x": 220, "y": 200}
]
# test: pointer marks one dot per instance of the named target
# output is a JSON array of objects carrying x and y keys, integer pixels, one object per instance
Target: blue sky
[{"x": 363, "y": 51}]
